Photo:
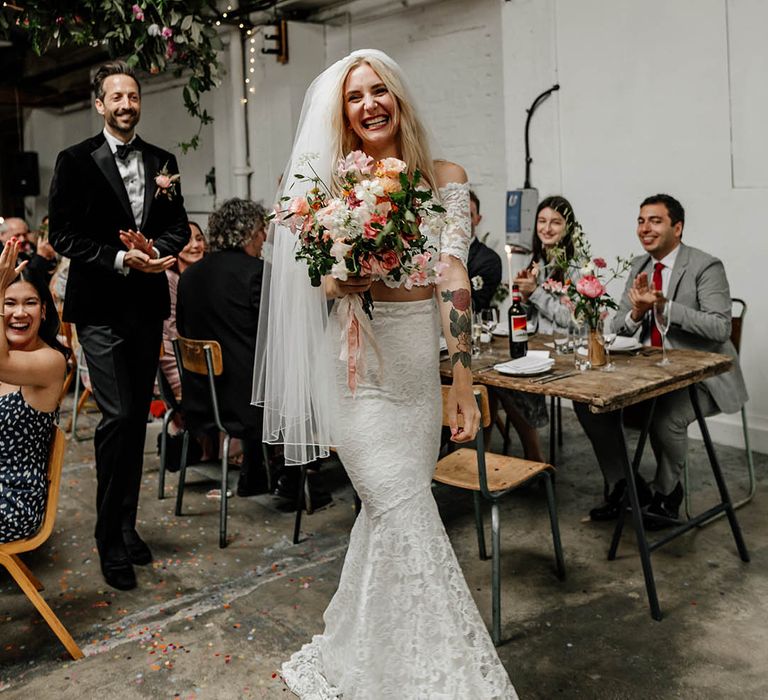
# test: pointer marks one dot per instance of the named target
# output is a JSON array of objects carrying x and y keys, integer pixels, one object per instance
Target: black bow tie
[{"x": 124, "y": 150}]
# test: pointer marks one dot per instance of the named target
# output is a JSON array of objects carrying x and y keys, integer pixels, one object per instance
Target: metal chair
[
  {"x": 737, "y": 323},
  {"x": 9, "y": 551},
  {"x": 555, "y": 429},
  {"x": 490, "y": 477},
  {"x": 204, "y": 357},
  {"x": 172, "y": 407}
]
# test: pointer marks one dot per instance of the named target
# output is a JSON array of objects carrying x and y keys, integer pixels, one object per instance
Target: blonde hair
[{"x": 412, "y": 140}]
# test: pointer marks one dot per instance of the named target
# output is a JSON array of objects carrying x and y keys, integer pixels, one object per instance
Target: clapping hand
[
  {"x": 9, "y": 271},
  {"x": 527, "y": 280},
  {"x": 136, "y": 240},
  {"x": 141, "y": 254},
  {"x": 642, "y": 296}
]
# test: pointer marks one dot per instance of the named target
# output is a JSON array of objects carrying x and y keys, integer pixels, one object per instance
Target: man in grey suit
[{"x": 694, "y": 285}]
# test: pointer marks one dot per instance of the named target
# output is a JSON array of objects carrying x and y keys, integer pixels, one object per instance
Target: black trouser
[{"x": 122, "y": 364}]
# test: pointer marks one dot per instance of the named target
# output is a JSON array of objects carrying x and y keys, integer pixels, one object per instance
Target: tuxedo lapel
[
  {"x": 151, "y": 169},
  {"x": 681, "y": 262},
  {"x": 106, "y": 162}
]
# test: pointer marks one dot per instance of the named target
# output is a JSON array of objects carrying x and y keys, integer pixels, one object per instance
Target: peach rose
[{"x": 591, "y": 287}]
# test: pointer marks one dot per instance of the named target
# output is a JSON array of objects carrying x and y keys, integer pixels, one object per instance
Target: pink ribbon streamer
[{"x": 356, "y": 327}]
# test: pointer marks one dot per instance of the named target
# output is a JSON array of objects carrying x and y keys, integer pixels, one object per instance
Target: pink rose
[
  {"x": 389, "y": 261},
  {"x": 166, "y": 33},
  {"x": 600, "y": 263},
  {"x": 299, "y": 206},
  {"x": 370, "y": 231},
  {"x": 590, "y": 287},
  {"x": 163, "y": 181},
  {"x": 370, "y": 265},
  {"x": 138, "y": 13}
]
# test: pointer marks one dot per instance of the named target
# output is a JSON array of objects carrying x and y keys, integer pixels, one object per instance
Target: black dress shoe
[
  {"x": 138, "y": 551},
  {"x": 118, "y": 573},
  {"x": 611, "y": 509},
  {"x": 245, "y": 488},
  {"x": 664, "y": 511}
]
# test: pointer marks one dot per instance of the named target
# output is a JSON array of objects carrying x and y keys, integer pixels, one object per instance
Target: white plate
[
  {"x": 535, "y": 362},
  {"x": 624, "y": 344},
  {"x": 512, "y": 372}
]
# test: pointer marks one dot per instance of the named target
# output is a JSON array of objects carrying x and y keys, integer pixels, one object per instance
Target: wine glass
[
  {"x": 661, "y": 319},
  {"x": 609, "y": 337}
]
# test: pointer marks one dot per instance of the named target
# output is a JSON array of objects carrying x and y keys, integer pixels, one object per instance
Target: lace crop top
[{"x": 449, "y": 233}]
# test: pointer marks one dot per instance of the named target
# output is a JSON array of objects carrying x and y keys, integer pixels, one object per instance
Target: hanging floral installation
[{"x": 154, "y": 35}]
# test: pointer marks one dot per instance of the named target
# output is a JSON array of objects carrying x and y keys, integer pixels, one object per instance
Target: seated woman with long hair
[{"x": 32, "y": 369}]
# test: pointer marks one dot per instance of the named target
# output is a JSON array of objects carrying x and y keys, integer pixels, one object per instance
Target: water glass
[
  {"x": 477, "y": 332},
  {"x": 580, "y": 334},
  {"x": 561, "y": 339}
]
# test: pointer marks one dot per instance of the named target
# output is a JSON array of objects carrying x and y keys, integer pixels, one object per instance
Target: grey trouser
[{"x": 668, "y": 434}]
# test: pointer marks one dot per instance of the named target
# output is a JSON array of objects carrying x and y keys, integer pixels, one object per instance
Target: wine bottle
[{"x": 518, "y": 325}]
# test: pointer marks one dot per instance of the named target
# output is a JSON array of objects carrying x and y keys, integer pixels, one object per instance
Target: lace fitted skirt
[{"x": 402, "y": 623}]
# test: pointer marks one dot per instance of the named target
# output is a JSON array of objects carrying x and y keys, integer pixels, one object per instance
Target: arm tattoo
[{"x": 461, "y": 324}]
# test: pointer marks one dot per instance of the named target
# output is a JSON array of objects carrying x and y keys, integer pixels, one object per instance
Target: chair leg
[
  {"x": 686, "y": 492},
  {"x": 163, "y": 454},
  {"x": 265, "y": 457},
  {"x": 552, "y": 506},
  {"x": 43, "y": 608},
  {"x": 224, "y": 489},
  {"x": 507, "y": 440},
  {"x": 559, "y": 422},
  {"x": 299, "y": 503},
  {"x": 32, "y": 578},
  {"x": 479, "y": 525},
  {"x": 552, "y": 430},
  {"x": 750, "y": 461},
  {"x": 182, "y": 472},
  {"x": 496, "y": 574}
]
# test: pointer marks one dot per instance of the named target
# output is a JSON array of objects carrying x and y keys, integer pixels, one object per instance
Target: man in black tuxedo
[
  {"x": 483, "y": 263},
  {"x": 120, "y": 223}
]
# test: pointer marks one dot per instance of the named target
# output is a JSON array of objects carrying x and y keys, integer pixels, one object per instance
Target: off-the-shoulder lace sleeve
[{"x": 457, "y": 231}]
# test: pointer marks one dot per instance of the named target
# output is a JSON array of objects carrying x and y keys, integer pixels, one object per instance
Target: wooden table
[{"x": 637, "y": 378}]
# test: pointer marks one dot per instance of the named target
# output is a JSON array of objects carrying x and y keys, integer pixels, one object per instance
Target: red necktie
[{"x": 655, "y": 335}]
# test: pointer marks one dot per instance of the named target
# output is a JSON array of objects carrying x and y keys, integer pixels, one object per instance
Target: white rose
[{"x": 477, "y": 283}]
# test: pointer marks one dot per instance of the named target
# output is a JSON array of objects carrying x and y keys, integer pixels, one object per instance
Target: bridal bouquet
[
  {"x": 371, "y": 228},
  {"x": 588, "y": 298}
]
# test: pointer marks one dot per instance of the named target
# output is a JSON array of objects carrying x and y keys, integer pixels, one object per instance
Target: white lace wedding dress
[{"x": 402, "y": 623}]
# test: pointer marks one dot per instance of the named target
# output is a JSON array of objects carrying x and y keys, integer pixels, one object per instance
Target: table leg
[
  {"x": 552, "y": 430},
  {"x": 637, "y": 516},
  {"x": 722, "y": 488}
]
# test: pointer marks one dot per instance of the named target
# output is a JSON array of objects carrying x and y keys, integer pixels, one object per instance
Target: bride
[{"x": 402, "y": 623}]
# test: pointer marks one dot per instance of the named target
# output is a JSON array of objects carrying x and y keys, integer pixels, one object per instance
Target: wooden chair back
[
  {"x": 738, "y": 311},
  {"x": 480, "y": 391},
  {"x": 55, "y": 462},
  {"x": 192, "y": 355}
]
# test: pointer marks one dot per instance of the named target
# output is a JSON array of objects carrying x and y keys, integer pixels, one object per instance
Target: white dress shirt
[
  {"x": 132, "y": 172},
  {"x": 666, "y": 274}
]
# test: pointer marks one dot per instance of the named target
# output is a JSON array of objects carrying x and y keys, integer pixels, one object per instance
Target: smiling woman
[{"x": 32, "y": 368}]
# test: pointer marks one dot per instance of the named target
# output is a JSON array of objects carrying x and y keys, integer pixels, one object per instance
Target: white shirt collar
[
  {"x": 114, "y": 142},
  {"x": 669, "y": 259}
]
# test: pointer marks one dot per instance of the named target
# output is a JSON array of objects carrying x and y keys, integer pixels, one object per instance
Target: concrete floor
[{"x": 211, "y": 623}]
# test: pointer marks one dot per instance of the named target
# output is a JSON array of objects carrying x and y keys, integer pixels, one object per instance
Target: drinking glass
[
  {"x": 477, "y": 332},
  {"x": 489, "y": 321},
  {"x": 661, "y": 319},
  {"x": 560, "y": 338},
  {"x": 581, "y": 347},
  {"x": 609, "y": 337}
]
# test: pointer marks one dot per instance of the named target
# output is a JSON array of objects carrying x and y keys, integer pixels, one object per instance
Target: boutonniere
[{"x": 166, "y": 183}]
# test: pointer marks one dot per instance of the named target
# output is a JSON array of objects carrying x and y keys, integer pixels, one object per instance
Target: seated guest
[
  {"x": 32, "y": 369},
  {"x": 554, "y": 225},
  {"x": 483, "y": 263},
  {"x": 218, "y": 299},
  {"x": 694, "y": 285},
  {"x": 15, "y": 227},
  {"x": 190, "y": 254}
]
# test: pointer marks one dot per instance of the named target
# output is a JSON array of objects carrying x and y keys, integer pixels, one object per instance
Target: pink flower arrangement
[{"x": 588, "y": 299}]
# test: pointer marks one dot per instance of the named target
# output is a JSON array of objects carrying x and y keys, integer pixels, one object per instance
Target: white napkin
[{"x": 535, "y": 360}]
